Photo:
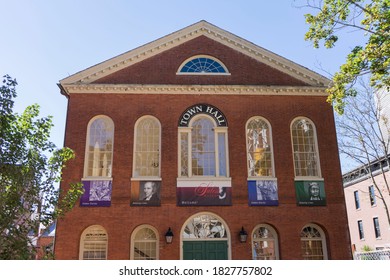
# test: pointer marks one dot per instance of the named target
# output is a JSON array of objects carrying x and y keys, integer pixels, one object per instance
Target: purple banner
[
  {"x": 96, "y": 193},
  {"x": 263, "y": 193},
  {"x": 200, "y": 193}
]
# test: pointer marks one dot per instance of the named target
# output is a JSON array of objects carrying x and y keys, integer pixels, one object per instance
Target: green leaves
[
  {"x": 368, "y": 19},
  {"x": 30, "y": 170}
]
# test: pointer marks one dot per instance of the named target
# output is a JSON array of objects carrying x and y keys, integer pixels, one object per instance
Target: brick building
[{"x": 206, "y": 136}]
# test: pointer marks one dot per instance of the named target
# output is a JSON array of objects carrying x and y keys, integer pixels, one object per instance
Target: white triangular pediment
[{"x": 202, "y": 28}]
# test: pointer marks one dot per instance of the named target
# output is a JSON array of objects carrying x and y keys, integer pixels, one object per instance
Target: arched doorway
[{"x": 205, "y": 236}]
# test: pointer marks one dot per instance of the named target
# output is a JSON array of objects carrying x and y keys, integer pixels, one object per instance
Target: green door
[{"x": 205, "y": 250}]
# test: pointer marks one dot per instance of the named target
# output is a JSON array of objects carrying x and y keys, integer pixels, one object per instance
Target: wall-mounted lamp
[
  {"x": 169, "y": 236},
  {"x": 243, "y": 235}
]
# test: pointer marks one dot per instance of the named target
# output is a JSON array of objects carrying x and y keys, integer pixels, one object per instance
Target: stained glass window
[
  {"x": 259, "y": 152},
  {"x": 203, "y": 227}
]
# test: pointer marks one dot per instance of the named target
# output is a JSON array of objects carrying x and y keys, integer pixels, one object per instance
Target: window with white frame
[
  {"x": 147, "y": 146},
  {"x": 361, "y": 229},
  {"x": 357, "y": 200},
  {"x": 203, "y": 148},
  {"x": 265, "y": 243},
  {"x": 144, "y": 243},
  {"x": 313, "y": 243},
  {"x": 99, "y": 148},
  {"x": 305, "y": 150},
  {"x": 371, "y": 191},
  {"x": 93, "y": 243},
  {"x": 202, "y": 65},
  {"x": 259, "y": 148},
  {"x": 377, "y": 228}
]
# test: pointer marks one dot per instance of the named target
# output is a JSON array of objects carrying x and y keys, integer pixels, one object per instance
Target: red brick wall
[
  {"x": 162, "y": 68},
  {"x": 121, "y": 219}
]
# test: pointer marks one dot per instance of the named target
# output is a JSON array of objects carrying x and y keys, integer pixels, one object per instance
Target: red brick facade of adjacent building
[{"x": 120, "y": 219}]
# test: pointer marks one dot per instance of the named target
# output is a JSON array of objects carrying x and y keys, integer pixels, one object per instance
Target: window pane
[
  {"x": 361, "y": 230},
  {"x": 204, "y": 226},
  {"x": 184, "y": 154},
  {"x": 222, "y": 154},
  {"x": 304, "y": 148},
  {"x": 203, "y": 65},
  {"x": 145, "y": 245},
  {"x": 312, "y": 244},
  {"x": 94, "y": 244},
  {"x": 264, "y": 244},
  {"x": 259, "y": 148},
  {"x": 100, "y": 147},
  {"x": 357, "y": 201},
  {"x": 147, "y": 155},
  {"x": 372, "y": 195},
  {"x": 203, "y": 148},
  {"x": 377, "y": 228}
]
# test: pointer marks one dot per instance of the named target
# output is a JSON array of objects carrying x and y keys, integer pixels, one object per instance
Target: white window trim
[
  {"x": 82, "y": 240},
  {"x": 308, "y": 178},
  {"x": 323, "y": 238},
  {"x": 217, "y": 130},
  {"x": 85, "y": 170},
  {"x": 273, "y": 177},
  {"x": 139, "y": 178},
  {"x": 227, "y": 73},
  {"x": 275, "y": 239},
  {"x": 133, "y": 234}
]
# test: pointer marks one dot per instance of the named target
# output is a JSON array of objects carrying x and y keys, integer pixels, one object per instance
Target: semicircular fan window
[{"x": 203, "y": 65}]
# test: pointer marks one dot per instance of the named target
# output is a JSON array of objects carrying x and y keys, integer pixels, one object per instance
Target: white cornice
[
  {"x": 193, "y": 31},
  {"x": 193, "y": 89}
]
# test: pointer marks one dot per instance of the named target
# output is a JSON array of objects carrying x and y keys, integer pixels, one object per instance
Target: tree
[
  {"x": 368, "y": 19},
  {"x": 364, "y": 137},
  {"x": 30, "y": 168}
]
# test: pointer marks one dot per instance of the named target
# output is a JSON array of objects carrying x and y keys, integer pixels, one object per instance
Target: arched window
[
  {"x": 204, "y": 226},
  {"x": 305, "y": 150},
  {"x": 202, "y": 65},
  {"x": 99, "y": 148},
  {"x": 147, "y": 146},
  {"x": 203, "y": 148},
  {"x": 144, "y": 243},
  {"x": 313, "y": 243},
  {"x": 259, "y": 148},
  {"x": 205, "y": 236},
  {"x": 93, "y": 243},
  {"x": 265, "y": 243}
]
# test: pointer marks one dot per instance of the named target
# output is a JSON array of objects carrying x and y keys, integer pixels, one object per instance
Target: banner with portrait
[
  {"x": 96, "y": 193},
  {"x": 203, "y": 193},
  {"x": 263, "y": 193},
  {"x": 145, "y": 193},
  {"x": 310, "y": 193}
]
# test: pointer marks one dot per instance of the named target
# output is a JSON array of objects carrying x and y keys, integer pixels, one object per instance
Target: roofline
[{"x": 201, "y": 28}]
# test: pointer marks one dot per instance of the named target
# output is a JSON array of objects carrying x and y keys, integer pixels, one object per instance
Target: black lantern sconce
[
  {"x": 243, "y": 235},
  {"x": 169, "y": 236}
]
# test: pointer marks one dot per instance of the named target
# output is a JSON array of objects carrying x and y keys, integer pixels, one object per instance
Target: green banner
[{"x": 310, "y": 193}]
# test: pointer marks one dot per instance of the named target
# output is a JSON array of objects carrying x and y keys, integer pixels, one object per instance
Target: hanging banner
[
  {"x": 145, "y": 193},
  {"x": 310, "y": 193},
  {"x": 96, "y": 193},
  {"x": 203, "y": 193},
  {"x": 263, "y": 193}
]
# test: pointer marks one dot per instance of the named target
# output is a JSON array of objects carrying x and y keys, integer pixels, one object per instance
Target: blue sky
[{"x": 44, "y": 41}]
